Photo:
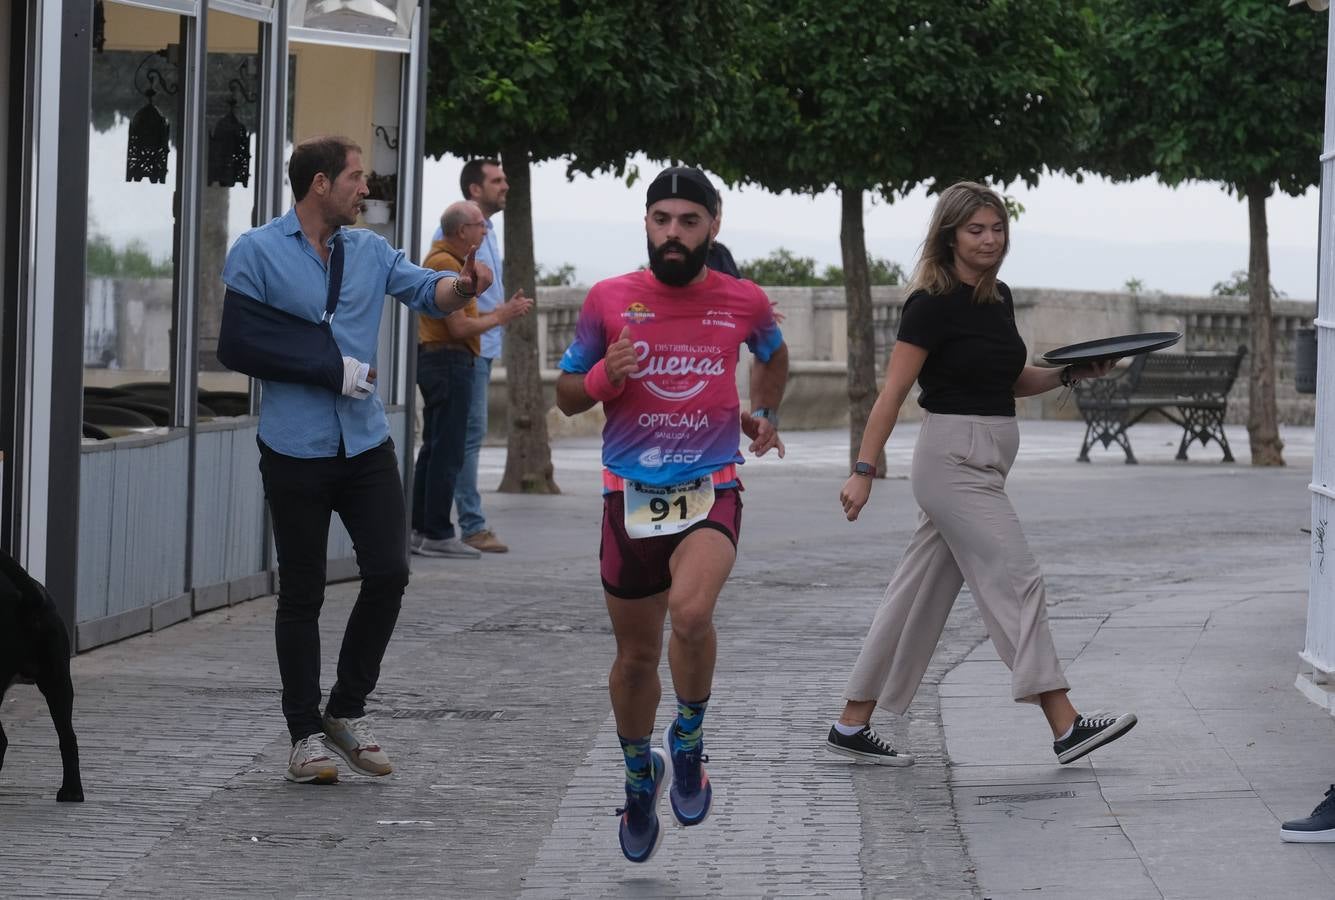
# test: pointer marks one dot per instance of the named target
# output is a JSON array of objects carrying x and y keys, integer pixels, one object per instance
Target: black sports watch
[
  {"x": 766, "y": 412},
  {"x": 864, "y": 468}
]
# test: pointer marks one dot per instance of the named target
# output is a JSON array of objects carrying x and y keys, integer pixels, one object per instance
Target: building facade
[
  {"x": 1316, "y": 674},
  {"x": 143, "y": 137}
]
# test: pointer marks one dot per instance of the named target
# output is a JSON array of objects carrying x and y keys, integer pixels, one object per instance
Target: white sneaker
[
  {"x": 310, "y": 762},
  {"x": 451, "y": 548},
  {"x": 353, "y": 740}
]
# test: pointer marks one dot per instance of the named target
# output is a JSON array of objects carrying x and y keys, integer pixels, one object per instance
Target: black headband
[{"x": 683, "y": 183}]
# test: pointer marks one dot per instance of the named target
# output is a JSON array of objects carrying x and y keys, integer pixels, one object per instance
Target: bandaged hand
[{"x": 358, "y": 380}]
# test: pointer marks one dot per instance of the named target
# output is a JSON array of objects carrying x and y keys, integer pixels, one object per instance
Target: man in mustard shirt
[{"x": 446, "y": 351}]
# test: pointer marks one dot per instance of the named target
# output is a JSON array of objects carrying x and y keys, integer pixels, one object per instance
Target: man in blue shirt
[
  {"x": 483, "y": 182},
  {"x": 322, "y": 452}
]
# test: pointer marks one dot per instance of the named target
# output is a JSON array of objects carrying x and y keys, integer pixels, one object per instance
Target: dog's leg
[
  {"x": 53, "y": 680},
  {"x": 60, "y": 700},
  {"x": 6, "y": 677},
  {"x": 10, "y": 642},
  {"x": 56, "y": 687}
]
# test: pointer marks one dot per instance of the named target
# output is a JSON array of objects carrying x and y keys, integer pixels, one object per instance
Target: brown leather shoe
[{"x": 486, "y": 541}]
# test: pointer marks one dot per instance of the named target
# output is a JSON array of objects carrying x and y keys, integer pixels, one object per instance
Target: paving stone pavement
[{"x": 1178, "y": 590}]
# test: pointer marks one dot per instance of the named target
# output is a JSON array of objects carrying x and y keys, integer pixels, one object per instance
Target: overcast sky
[{"x": 1090, "y": 236}]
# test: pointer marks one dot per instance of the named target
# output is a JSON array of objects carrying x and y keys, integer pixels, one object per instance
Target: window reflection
[
  {"x": 227, "y": 202},
  {"x": 149, "y": 141},
  {"x": 381, "y": 18},
  {"x": 128, "y": 304}
]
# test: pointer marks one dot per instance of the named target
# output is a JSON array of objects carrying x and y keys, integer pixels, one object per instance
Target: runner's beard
[{"x": 677, "y": 272}]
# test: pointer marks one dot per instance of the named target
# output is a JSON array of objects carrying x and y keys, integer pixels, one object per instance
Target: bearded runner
[{"x": 659, "y": 349}]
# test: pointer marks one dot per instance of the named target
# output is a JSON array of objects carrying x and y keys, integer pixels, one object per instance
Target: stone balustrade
[{"x": 815, "y": 328}]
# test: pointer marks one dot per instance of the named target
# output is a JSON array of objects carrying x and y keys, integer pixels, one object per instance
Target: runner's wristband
[{"x": 598, "y": 386}]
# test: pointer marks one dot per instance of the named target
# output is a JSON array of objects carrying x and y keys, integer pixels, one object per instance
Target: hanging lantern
[
  {"x": 229, "y": 150},
  {"x": 146, "y": 156},
  {"x": 99, "y": 26}
]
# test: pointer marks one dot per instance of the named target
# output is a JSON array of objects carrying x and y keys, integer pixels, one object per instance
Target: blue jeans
[
  {"x": 445, "y": 377},
  {"x": 466, "y": 496}
]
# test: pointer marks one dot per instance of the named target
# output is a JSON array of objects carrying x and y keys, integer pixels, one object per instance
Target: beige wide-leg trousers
[{"x": 967, "y": 533}]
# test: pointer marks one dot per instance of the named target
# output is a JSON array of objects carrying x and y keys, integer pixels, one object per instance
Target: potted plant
[{"x": 384, "y": 189}]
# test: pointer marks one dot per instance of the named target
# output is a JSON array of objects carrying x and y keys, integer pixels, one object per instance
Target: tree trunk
[
  {"x": 528, "y": 459},
  {"x": 1262, "y": 427},
  {"x": 861, "y": 337},
  {"x": 213, "y": 207}
]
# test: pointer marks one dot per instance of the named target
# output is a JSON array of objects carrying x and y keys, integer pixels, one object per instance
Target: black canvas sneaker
[
  {"x": 866, "y": 746},
  {"x": 1318, "y": 828},
  {"x": 1091, "y": 732}
]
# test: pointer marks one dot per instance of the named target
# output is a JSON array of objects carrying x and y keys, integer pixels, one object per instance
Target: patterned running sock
[
  {"x": 690, "y": 723},
  {"x": 639, "y": 764}
]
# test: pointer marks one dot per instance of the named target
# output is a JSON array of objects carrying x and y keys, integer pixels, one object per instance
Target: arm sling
[{"x": 265, "y": 342}]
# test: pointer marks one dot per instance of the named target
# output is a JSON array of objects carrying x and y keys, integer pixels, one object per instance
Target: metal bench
[{"x": 1190, "y": 389}]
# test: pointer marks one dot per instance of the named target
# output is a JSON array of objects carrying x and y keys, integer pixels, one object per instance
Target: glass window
[
  {"x": 260, "y": 9},
  {"x": 375, "y": 18},
  {"x": 227, "y": 202},
  {"x": 134, "y": 149},
  {"x": 364, "y": 107},
  {"x": 355, "y": 93}
]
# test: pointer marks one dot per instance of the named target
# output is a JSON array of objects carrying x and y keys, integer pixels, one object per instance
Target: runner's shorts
[{"x": 638, "y": 567}]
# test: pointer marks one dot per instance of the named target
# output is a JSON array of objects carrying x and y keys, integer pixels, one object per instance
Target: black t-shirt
[{"x": 974, "y": 352}]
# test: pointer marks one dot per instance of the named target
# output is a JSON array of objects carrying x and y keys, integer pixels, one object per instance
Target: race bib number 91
[{"x": 658, "y": 511}]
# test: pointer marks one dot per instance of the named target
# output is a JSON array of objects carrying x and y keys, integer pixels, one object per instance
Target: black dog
[{"x": 35, "y": 647}]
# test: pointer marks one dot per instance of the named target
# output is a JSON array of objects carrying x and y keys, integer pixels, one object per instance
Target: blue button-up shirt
[
  {"x": 493, "y": 296},
  {"x": 276, "y": 264}
]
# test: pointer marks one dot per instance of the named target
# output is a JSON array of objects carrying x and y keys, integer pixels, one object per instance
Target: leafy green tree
[
  {"x": 885, "y": 95},
  {"x": 593, "y": 83},
  {"x": 131, "y": 261},
  {"x": 883, "y": 271},
  {"x": 1199, "y": 90},
  {"x": 1239, "y": 284},
  {"x": 879, "y": 271},
  {"x": 562, "y": 276},
  {"x": 782, "y": 268},
  {"x": 102, "y": 257}
]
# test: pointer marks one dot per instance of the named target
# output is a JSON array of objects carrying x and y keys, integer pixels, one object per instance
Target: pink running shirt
[{"x": 679, "y": 415}]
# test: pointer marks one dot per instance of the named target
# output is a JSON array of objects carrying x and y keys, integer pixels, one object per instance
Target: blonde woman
[{"x": 958, "y": 340}]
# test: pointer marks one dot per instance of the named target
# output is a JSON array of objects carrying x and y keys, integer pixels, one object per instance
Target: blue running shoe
[
  {"x": 690, "y": 794},
  {"x": 640, "y": 833}
]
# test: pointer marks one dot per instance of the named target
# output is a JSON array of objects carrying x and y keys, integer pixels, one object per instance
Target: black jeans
[{"x": 367, "y": 494}]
